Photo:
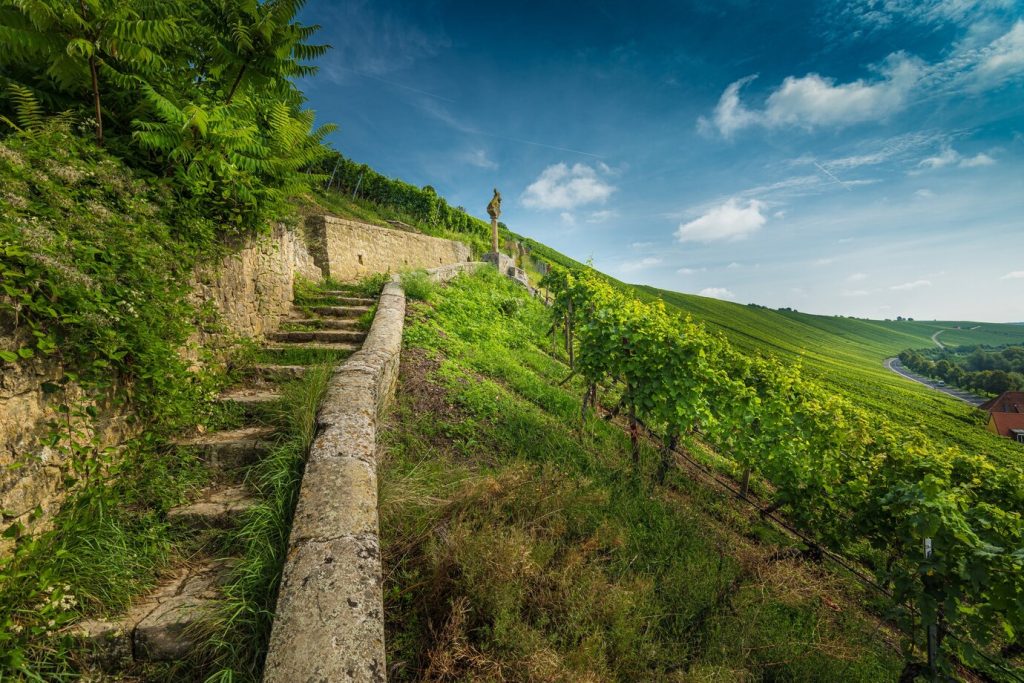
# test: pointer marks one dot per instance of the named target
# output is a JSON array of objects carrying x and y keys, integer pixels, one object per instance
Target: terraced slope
[{"x": 848, "y": 354}]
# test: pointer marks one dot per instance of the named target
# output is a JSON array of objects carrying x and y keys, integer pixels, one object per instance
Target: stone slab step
[
  {"x": 163, "y": 625},
  {"x": 216, "y": 508},
  {"x": 340, "y": 311},
  {"x": 232, "y": 449},
  {"x": 268, "y": 372},
  {"x": 323, "y": 323},
  {"x": 331, "y": 336},
  {"x": 249, "y": 396},
  {"x": 345, "y": 298},
  {"x": 325, "y": 346}
]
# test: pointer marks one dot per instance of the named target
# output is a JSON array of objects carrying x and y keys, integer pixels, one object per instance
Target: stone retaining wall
[
  {"x": 329, "y": 620},
  {"x": 253, "y": 288},
  {"x": 249, "y": 291},
  {"x": 349, "y": 250}
]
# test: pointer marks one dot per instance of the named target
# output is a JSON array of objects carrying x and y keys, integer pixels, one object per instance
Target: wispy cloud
[
  {"x": 731, "y": 221},
  {"x": 690, "y": 271},
  {"x": 854, "y": 292},
  {"x": 639, "y": 264},
  {"x": 814, "y": 100},
  {"x": 602, "y": 216},
  {"x": 948, "y": 156},
  {"x": 563, "y": 187},
  {"x": 717, "y": 293},
  {"x": 1014, "y": 275},
  {"x": 479, "y": 158},
  {"x": 916, "y": 284},
  {"x": 378, "y": 42},
  {"x": 857, "y": 277}
]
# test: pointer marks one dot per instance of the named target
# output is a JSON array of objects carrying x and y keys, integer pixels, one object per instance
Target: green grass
[{"x": 520, "y": 543}]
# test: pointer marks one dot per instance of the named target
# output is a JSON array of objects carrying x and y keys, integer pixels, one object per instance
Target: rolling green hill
[{"x": 847, "y": 354}]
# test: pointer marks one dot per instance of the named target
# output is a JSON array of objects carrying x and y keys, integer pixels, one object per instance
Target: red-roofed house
[
  {"x": 1006, "y": 415},
  {"x": 1006, "y": 402},
  {"x": 1010, "y": 425}
]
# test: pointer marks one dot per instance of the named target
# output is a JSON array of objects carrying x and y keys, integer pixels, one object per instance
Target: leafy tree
[
  {"x": 260, "y": 43},
  {"x": 87, "y": 47}
]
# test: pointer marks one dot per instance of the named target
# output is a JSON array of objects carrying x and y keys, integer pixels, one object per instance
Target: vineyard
[
  {"x": 846, "y": 355},
  {"x": 856, "y": 481}
]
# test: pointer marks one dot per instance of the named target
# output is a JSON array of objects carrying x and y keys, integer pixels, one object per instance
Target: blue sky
[{"x": 859, "y": 158}]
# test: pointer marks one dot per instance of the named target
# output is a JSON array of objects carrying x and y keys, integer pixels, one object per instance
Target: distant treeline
[
  {"x": 423, "y": 204},
  {"x": 994, "y": 369}
]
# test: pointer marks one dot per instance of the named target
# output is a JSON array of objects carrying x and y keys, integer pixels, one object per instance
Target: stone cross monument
[{"x": 494, "y": 210}]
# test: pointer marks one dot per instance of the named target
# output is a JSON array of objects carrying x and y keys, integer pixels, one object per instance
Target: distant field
[{"x": 847, "y": 354}]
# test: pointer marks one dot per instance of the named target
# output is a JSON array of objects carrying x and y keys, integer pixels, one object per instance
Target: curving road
[
  {"x": 935, "y": 338},
  {"x": 896, "y": 366}
]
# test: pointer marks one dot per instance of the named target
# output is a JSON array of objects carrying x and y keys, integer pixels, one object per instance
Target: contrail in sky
[{"x": 832, "y": 176}]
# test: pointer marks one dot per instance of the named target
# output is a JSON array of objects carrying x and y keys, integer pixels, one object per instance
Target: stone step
[
  {"x": 330, "y": 336},
  {"x": 345, "y": 298},
  {"x": 323, "y": 323},
  {"x": 252, "y": 400},
  {"x": 163, "y": 626},
  {"x": 324, "y": 346},
  {"x": 215, "y": 508},
  {"x": 340, "y": 311},
  {"x": 268, "y": 372},
  {"x": 232, "y": 449}
]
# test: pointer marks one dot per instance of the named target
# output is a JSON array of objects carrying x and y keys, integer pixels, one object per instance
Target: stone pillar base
[{"x": 502, "y": 261}]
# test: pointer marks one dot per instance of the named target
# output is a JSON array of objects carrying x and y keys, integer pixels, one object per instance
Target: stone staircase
[{"x": 166, "y": 624}]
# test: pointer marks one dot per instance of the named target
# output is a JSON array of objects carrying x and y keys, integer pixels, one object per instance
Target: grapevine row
[{"x": 855, "y": 481}]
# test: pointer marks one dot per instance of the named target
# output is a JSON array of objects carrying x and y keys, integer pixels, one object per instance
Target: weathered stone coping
[{"x": 329, "y": 620}]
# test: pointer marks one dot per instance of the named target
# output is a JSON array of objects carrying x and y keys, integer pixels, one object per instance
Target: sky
[{"x": 859, "y": 157}]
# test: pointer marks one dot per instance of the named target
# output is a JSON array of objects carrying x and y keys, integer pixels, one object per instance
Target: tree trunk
[
  {"x": 745, "y": 484},
  {"x": 668, "y": 447},
  {"x": 234, "y": 86},
  {"x": 96, "y": 99}
]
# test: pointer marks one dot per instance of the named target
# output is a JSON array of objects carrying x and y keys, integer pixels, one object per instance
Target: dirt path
[{"x": 935, "y": 338}]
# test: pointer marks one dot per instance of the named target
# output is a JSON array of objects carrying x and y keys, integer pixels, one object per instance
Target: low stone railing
[{"x": 329, "y": 621}]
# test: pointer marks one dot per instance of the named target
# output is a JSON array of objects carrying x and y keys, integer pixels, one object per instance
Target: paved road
[{"x": 896, "y": 366}]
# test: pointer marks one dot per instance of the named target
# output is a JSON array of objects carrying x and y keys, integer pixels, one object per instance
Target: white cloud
[
  {"x": 733, "y": 220},
  {"x": 824, "y": 261},
  {"x": 479, "y": 158},
  {"x": 944, "y": 158},
  {"x": 779, "y": 214},
  {"x": 980, "y": 159},
  {"x": 949, "y": 156},
  {"x": 734, "y": 265},
  {"x": 641, "y": 264},
  {"x": 568, "y": 218},
  {"x": 642, "y": 245},
  {"x": 924, "y": 193},
  {"x": 1003, "y": 57},
  {"x": 1014, "y": 275},
  {"x": 814, "y": 100},
  {"x": 563, "y": 187},
  {"x": 844, "y": 240},
  {"x": 717, "y": 293},
  {"x": 601, "y": 216},
  {"x": 690, "y": 271},
  {"x": 857, "y": 277},
  {"x": 854, "y": 292},
  {"x": 916, "y": 284}
]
